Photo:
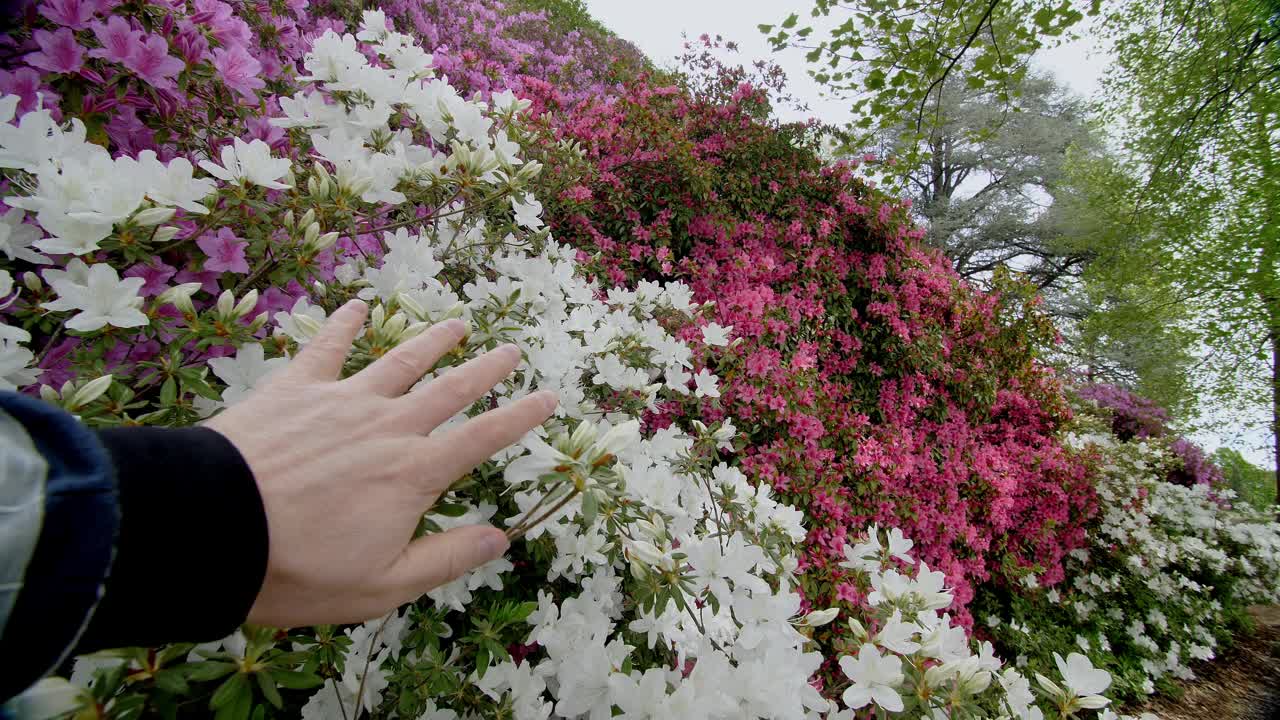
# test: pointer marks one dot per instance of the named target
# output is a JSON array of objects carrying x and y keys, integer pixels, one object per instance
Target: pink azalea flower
[
  {"x": 74, "y": 14},
  {"x": 239, "y": 71},
  {"x": 128, "y": 132},
  {"x": 119, "y": 40},
  {"x": 59, "y": 51},
  {"x": 152, "y": 62},
  {"x": 225, "y": 251},
  {"x": 25, "y": 83},
  {"x": 156, "y": 275}
]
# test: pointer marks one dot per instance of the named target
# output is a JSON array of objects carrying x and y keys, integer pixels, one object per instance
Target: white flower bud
[
  {"x": 307, "y": 218},
  {"x": 324, "y": 241},
  {"x": 153, "y": 216},
  {"x": 246, "y": 305},
  {"x": 1092, "y": 702},
  {"x": 310, "y": 234},
  {"x": 91, "y": 391},
  {"x": 258, "y": 322},
  {"x": 48, "y": 394},
  {"x": 395, "y": 325},
  {"x": 165, "y": 234},
  {"x": 32, "y": 281},
  {"x": 1050, "y": 686},
  {"x": 288, "y": 220},
  {"x": 818, "y": 618},
  {"x": 319, "y": 289},
  {"x": 307, "y": 324},
  {"x": 859, "y": 632},
  {"x": 226, "y": 303},
  {"x": 413, "y": 306}
]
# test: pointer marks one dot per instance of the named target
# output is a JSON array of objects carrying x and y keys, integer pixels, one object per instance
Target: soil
[{"x": 1241, "y": 684}]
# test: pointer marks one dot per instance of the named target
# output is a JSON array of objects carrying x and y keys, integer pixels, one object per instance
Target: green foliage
[
  {"x": 895, "y": 56},
  {"x": 1253, "y": 484}
]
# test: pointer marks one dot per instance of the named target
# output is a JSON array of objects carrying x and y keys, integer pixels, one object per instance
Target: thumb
[{"x": 434, "y": 560}]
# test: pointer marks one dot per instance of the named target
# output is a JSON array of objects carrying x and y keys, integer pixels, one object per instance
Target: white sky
[{"x": 655, "y": 26}]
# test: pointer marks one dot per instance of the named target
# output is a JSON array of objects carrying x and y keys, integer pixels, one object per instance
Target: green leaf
[
  {"x": 295, "y": 680},
  {"x": 790, "y": 22},
  {"x": 205, "y": 671},
  {"x": 230, "y": 692},
  {"x": 172, "y": 681},
  {"x": 168, "y": 392},
  {"x": 269, "y": 691}
]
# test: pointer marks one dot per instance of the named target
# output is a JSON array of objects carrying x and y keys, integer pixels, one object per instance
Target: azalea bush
[
  {"x": 626, "y": 535},
  {"x": 870, "y": 382},
  {"x": 1165, "y": 581}
]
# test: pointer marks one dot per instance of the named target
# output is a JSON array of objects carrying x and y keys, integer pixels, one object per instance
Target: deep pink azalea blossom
[
  {"x": 119, "y": 40},
  {"x": 225, "y": 251},
  {"x": 59, "y": 51},
  {"x": 239, "y": 71},
  {"x": 156, "y": 274},
  {"x": 75, "y": 14},
  {"x": 153, "y": 63}
]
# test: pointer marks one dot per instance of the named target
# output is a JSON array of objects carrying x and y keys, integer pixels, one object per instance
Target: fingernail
[
  {"x": 493, "y": 545},
  {"x": 353, "y": 303},
  {"x": 511, "y": 351},
  {"x": 549, "y": 399},
  {"x": 454, "y": 327}
]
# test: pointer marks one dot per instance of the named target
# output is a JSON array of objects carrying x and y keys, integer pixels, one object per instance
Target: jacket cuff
[
  {"x": 192, "y": 548},
  {"x": 64, "y": 576}
]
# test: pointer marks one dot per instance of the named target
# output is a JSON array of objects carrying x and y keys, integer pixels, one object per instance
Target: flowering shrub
[
  {"x": 871, "y": 383},
  {"x": 1165, "y": 580},
  {"x": 1133, "y": 416},
  {"x": 434, "y": 195}
]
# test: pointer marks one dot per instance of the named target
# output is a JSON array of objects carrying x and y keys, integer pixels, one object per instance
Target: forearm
[{"x": 146, "y": 536}]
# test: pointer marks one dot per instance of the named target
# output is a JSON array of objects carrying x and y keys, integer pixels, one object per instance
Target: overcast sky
[{"x": 655, "y": 26}]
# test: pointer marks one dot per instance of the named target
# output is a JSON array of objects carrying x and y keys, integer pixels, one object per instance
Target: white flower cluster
[
  {"x": 1164, "y": 560},
  {"x": 645, "y": 535},
  {"x": 911, "y": 660}
]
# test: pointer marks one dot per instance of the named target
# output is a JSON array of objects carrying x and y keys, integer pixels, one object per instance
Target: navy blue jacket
[{"x": 125, "y": 537}]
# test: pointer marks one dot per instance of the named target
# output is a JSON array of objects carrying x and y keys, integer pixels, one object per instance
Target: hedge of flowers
[
  {"x": 1166, "y": 579},
  {"x": 760, "y": 365},
  {"x": 872, "y": 383},
  {"x": 1133, "y": 416}
]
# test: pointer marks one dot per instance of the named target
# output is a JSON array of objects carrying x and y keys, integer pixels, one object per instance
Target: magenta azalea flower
[
  {"x": 59, "y": 51},
  {"x": 74, "y": 14},
  {"x": 152, "y": 62},
  {"x": 239, "y": 71},
  {"x": 225, "y": 251},
  {"x": 119, "y": 40}
]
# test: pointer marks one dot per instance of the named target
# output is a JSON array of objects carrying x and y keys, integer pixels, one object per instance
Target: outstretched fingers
[
  {"x": 394, "y": 373},
  {"x": 456, "y": 390},
  {"x": 435, "y": 560},
  {"x": 458, "y": 451},
  {"x": 322, "y": 358}
]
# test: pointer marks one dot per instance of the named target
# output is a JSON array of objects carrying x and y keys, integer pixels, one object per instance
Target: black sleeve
[{"x": 192, "y": 548}]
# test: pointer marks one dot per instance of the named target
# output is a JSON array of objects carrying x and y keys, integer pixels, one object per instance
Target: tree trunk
[{"x": 1275, "y": 404}]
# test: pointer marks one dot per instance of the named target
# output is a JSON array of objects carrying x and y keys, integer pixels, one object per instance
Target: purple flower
[
  {"x": 128, "y": 132},
  {"x": 59, "y": 51},
  {"x": 74, "y": 14},
  {"x": 156, "y": 276},
  {"x": 119, "y": 40},
  {"x": 208, "y": 280},
  {"x": 239, "y": 71},
  {"x": 152, "y": 62},
  {"x": 25, "y": 83},
  {"x": 225, "y": 251}
]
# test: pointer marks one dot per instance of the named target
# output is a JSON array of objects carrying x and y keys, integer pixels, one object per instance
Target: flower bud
[
  {"x": 165, "y": 234},
  {"x": 307, "y": 324},
  {"x": 226, "y": 303},
  {"x": 859, "y": 632},
  {"x": 258, "y": 322},
  {"x": 324, "y": 241},
  {"x": 153, "y": 216},
  {"x": 413, "y": 306},
  {"x": 310, "y": 234},
  {"x": 91, "y": 391},
  {"x": 1050, "y": 686},
  {"x": 455, "y": 311},
  {"x": 818, "y": 618},
  {"x": 307, "y": 218},
  {"x": 246, "y": 305},
  {"x": 180, "y": 297},
  {"x": 288, "y": 220},
  {"x": 395, "y": 325},
  {"x": 32, "y": 281},
  {"x": 319, "y": 289},
  {"x": 1092, "y": 702},
  {"x": 48, "y": 394}
]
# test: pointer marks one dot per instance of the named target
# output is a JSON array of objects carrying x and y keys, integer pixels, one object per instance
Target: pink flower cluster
[{"x": 872, "y": 383}]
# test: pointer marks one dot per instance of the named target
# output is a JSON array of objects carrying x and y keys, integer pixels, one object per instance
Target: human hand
[{"x": 346, "y": 471}]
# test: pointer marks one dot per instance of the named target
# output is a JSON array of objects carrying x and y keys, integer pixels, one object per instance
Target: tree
[
  {"x": 1193, "y": 92},
  {"x": 989, "y": 176},
  {"x": 897, "y": 56},
  {"x": 1251, "y": 483}
]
